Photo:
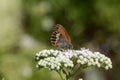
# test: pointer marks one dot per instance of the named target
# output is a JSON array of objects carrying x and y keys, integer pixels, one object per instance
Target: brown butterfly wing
[
  {"x": 63, "y": 32},
  {"x": 59, "y": 33}
]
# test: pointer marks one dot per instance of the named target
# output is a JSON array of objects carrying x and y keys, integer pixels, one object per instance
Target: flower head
[{"x": 56, "y": 60}]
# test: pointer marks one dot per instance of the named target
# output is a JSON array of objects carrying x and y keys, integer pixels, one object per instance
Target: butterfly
[{"x": 60, "y": 38}]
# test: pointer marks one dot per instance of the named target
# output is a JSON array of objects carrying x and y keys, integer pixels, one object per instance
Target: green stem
[
  {"x": 77, "y": 71},
  {"x": 61, "y": 74},
  {"x": 69, "y": 75}
]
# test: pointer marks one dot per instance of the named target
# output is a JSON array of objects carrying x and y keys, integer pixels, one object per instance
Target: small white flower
[
  {"x": 93, "y": 63},
  {"x": 52, "y": 67},
  {"x": 81, "y": 57},
  {"x": 89, "y": 64},
  {"x": 91, "y": 60},
  {"x": 78, "y": 61},
  {"x": 65, "y": 65},
  {"x": 37, "y": 66},
  {"x": 37, "y": 58},
  {"x": 37, "y": 54},
  {"x": 98, "y": 65},
  {"x": 82, "y": 62},
  {"x": 51, "y": 50},
  {"x": 58, "y": 67},
  {"x": 101, "y": 60},
  {"x": 58, "y": 64},
  {"x": 85, "y": 60},
  {"x": 110, "y": 66},
  {"x": 106, "y": 67},
  {"x": 72, "y": 65}
]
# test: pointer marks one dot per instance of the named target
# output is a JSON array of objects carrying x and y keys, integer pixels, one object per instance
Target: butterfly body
[{"x": 60, "y": 38}]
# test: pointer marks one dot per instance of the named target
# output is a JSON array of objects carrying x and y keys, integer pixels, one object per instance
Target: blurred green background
[{"x": 26, "y": 27}]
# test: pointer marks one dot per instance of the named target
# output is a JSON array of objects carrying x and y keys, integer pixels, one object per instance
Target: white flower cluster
[{"x": 56, "y": 60}]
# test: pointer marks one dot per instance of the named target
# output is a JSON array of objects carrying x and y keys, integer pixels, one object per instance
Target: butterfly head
[{"x": 60, "y": 38}]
